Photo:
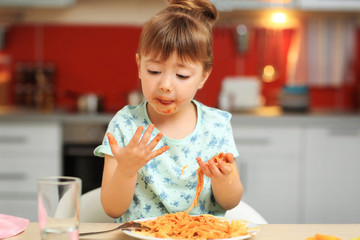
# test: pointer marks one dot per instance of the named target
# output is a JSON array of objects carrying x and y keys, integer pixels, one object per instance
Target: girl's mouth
[{"x": 164, "y": 101}]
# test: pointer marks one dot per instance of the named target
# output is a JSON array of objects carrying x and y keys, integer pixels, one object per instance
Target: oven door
[{"x": 79, "y": 160}]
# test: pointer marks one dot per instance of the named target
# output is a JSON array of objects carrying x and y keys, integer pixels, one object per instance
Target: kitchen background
[
  {"x": 89, "y": 46},
  {"x": 63, "y": 59}
]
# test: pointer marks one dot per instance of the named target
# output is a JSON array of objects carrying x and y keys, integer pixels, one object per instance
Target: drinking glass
[{"x": 59, "y": 207}]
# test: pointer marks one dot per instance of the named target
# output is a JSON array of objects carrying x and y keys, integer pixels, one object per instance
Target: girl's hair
[{"x": 183, "y": 27}]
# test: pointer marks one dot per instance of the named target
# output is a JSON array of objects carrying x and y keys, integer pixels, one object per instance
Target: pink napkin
[{"x": 11, "y": 226}]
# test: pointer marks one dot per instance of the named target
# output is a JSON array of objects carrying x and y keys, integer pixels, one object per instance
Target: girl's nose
[{"x": 165, "y": 84}]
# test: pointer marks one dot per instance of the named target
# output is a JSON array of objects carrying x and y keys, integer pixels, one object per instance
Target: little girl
[{"x": 147, "y": 146}]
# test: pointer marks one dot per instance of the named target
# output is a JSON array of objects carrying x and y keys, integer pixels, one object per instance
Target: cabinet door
[
  {"x": 25, "y": 137},
  {"x": 28, "y": 151},
  {"x": 332, "y": 179},
  {"x": 20, "y": 205},
  {"x": 20, "y": 173},
  {"x": 329, "y": 5},
  {"x": 268, "y": 166},
  {"x": 229, "y": 5}
]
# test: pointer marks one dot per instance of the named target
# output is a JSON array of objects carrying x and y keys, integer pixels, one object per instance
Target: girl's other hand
[
  {"x": 138, "y": 152},
  {"x": 218, "y": 170}
]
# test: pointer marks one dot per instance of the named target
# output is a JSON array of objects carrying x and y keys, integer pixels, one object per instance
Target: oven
[{"x": 80, "y": 140}]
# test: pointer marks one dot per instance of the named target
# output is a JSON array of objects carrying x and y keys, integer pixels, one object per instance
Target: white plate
[{"x": 139, "y": 236}]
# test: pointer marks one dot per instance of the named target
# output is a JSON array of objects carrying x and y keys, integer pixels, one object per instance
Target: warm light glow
[
  {"x": 279, "y": 17},
  {"x": 268, "y": 73},
  {"x": 4, "y": 77}
]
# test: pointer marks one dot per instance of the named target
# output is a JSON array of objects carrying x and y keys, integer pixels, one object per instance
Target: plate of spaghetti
[{"x": 181, "y": 225}]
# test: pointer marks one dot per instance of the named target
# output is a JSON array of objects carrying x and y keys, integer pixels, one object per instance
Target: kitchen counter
[
  {"x": 23, "y": 114},
  {"x": 269, "y": 114},
  {"x": 275, "y": 116}
]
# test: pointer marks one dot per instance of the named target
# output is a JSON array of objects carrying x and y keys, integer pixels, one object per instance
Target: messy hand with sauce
[
  {"x": 138, "y": 152},
  {"x": 218, "y": 167},
  {"x": 222, "y": 171},
  {"x": 120, "y": 170}
]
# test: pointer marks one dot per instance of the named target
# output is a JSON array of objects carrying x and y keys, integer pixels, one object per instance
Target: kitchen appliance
[
  {"x": 80, "y": 140},
  {"x": 294, "y": 99},
  {"x": 86, "y": 102},
  {"x": 89, "y": 103},
  {"x": 239, "y": 93}
]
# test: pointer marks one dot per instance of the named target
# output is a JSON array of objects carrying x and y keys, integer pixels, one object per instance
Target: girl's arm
[
  {"x": 120, "y": 171},
  {"x": 117, "y": 189},
  {"x": 225, "y": 181}
]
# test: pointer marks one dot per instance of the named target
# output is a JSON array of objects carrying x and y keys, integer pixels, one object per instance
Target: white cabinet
[
  {"x": 27, "y": 151},
  {"x": 303, "y": 169},
  {"x": 230, "y": 5},
  {"x": 332, "y": 176},
  {"x": 269, "y": 169},
  {"x": 335, "y": 5},
  {"x": 306, "y": 5}
]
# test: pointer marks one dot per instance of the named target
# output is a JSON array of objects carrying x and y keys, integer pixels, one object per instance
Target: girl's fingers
[
  {"x": 204, "y": 167},
  {"x": 113, "y": 143},
  {"x": 111, "y": 139},
  {"x": 200, "y": 162},
  {"x": 154, "y": 142},
  {"x": 229, "y": 157},
  {"x": 214, "y": 168},
  {"x": 136, "y": 137},
  {"x": 158, "y": 152},
  {"x": 146, "y": 137},
  {"x": 225, "y": 168}
]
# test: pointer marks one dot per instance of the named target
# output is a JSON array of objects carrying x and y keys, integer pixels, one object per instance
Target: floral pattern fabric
[{"x": 162, "y": 187}]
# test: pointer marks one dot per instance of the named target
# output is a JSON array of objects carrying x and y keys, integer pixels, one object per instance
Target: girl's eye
[
  {"x": 153, "y": 72},
  {"x": 182, "y": 76}
]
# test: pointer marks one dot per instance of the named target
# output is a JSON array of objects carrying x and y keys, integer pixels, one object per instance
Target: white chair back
[
  {"x": 245, "y": 212},
  {"x": 91, "y": 209}
]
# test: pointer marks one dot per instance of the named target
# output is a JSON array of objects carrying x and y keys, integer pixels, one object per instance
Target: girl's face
[{"x": 169, "y": 86}]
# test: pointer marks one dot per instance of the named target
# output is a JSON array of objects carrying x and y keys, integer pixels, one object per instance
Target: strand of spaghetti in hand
[
  {"x": 139, "y": 150},
  {"x": 199, "y": 187},
  {"x": 219, "y": 166}
]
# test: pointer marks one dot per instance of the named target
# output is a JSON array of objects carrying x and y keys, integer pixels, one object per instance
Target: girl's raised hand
[
  {"x": 218, "y": 170},
  {"x": 138, "y": 152}
]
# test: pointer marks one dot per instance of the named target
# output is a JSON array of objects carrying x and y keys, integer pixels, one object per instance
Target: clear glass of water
[{"x": 59, "y": 207}]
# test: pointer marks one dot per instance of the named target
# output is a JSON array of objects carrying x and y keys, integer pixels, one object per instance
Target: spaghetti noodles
[
  {"x": 200, "y": 174},
  {"x": 181, "y": 225}
]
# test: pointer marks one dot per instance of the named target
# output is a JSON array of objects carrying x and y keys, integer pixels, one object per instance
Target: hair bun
[{"x": 202, "y": 7}]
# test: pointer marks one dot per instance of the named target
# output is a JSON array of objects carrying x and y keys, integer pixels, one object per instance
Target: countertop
[
  {"x": 271, "y": 115},
  {"x": 24, "y": 114}
]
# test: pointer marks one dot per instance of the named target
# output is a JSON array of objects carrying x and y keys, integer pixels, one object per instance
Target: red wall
[{"x": 101, "y": 59}]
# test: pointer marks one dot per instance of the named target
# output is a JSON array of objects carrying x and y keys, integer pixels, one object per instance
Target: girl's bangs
[{"x": 165, "y": 42}]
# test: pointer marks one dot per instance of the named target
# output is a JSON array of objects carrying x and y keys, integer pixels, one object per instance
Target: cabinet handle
[
  {"x": 252, "y": 141},
  {"x": 12, "y": 139},
  {"x": 13, "y": 176}
]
